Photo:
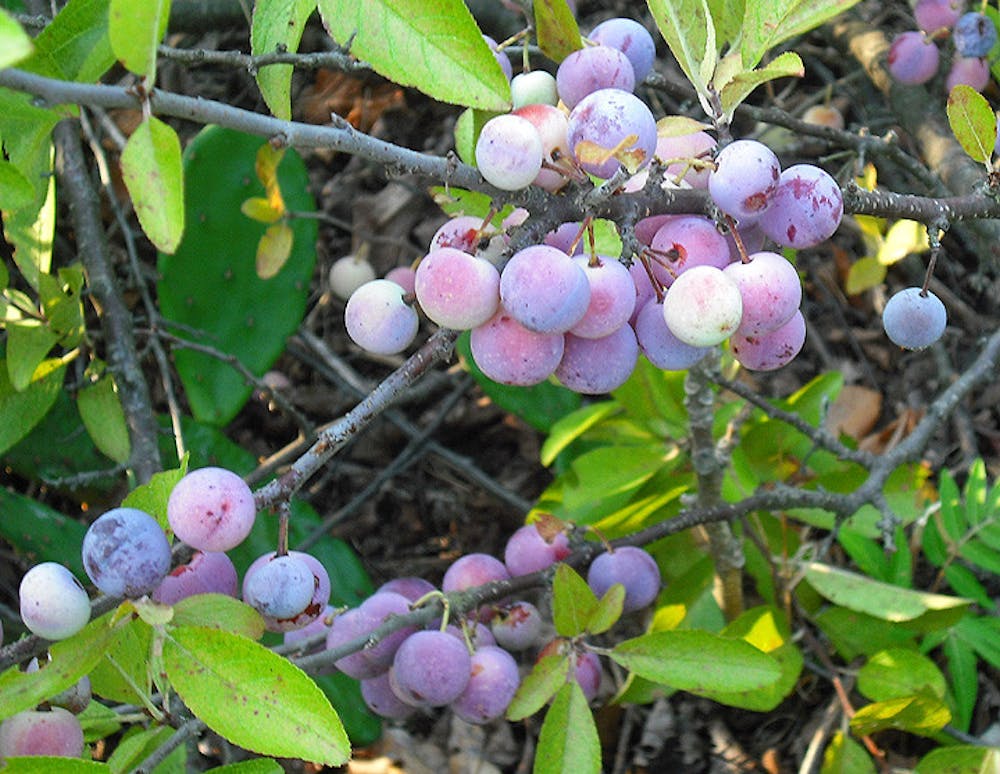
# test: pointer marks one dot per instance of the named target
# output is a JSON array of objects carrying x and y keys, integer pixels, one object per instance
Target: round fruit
[
  {"x": 126, "y": 553},
  {"x": 914, "y": 319},
  {"x": 211, "y": 509}
]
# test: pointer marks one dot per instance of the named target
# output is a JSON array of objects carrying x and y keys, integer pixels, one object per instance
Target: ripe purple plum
[
  {"x": 509, "y": 353},
  {"x": 211, "y": 509},
  {"x": 612, "y": 297},
  {"x": 914, "y": 318},
  {"x": 54, "y": 604},
  {"x": 208, "y": 572},
  {"x": 598, "y": 366},
  {"x": 806, "y": 210},
  {"x": 404, "y": 276},
  {"x": 592, "y": 69},
  {"x": 771, "y": 291},
  {"x": 411, "y": 587},
  {"x": 379, "y": 608},
  {"x": 646, "y": 228},
  {"x": 56, "y": 733},
  {"x": 125, "y": 553},
  {"x": 349, "y": 273},
  {"x": 644, "y": 290},
  {"x": 773, "y": 349},
  {"x": 658, "y": 343},
  {"x": 544, "y": 289},
  {"x": 501, "y": 56},
  {"x": 382, "y": 700},
  {"x": 516, "y": 626},
  {"x": 703, "y": 307},
  {"x": 471, "y": 632},
  {"x": 528, "y": 550},
  {"x": 684, "y": 242},
  {"x": 465, "y": 232},
  {"x": 493, "y": 681},
  {"x": 457, "y": 290},
  {"x": 970, "y": 71},
  {"x": 974, "y": 35},
  {"x": 586, "y": 665},
  {"x": 320, "y": 626},
  {"x": 744, "y": 180},
  {"x": 533, "y": 88},
  {"x": 472, "y": 570},
  {"x": 351, "y": 625},
  {"x": 567, "y": 238},
  {"x": 378, "y": 318},
  {"x": 631, "y": 566},
  {"x": 274, "y": 591},
  {"x": 680, "y": 154},
  {"x": 632, "y": 39},
  {"x": 913, "y": 58},
  {"x": 509, "y": 152},
  {"x": 553, "y": 130},
  {"x": 431, "y": 669},
  {"x": 617, "y": 122},
  {"x": 937, "y": 15}
]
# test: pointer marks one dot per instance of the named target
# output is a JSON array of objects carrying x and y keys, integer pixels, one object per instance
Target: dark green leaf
[
  {"x": 75, "y": 46},
  {"x": 41, "y": 533},
  {"x": 547, "y": 676},
  {"x": 845, "y": 756},
  {"x": 102, "y": 414},
  {"x": 573, "y": 603},
  {"x": 891, "y": 674}
]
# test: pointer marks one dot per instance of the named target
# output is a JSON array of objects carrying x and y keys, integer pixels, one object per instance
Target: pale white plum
[
  {"x": 591, "y": 69},
  {"x": 770, "y": 289},
  {"x": 684, "y": 242},
  {"x": 465, "y": 233},
  {"x": 658, "y": 343},
  {"x": 914, "y": 318},
  {"x": 274, "y": 585},
  {"x": 744, "y": 180},
  {"x": 553, "y": 130},
  {"x": 703, "y": 307},
  {"x": 349, "y": 273},
  {"x": 509, "y": 152},
  {"x": 533, "y": 88},
  {"x": 379, "y": 320},
  {"x": 607, "y": 119},
  {"x": 509, "y": 353},
  {"x": 457, "y": 290},
  {"x": 612, "y": 297},
  {"x": 632, "y": 39},
  {"x": 806, "y": 208},
  {"x": 680, "y": 153},
  {"x": 544, "y": 289},
  {"x": 598, "y": 366},
  {"x": 404, "y": 276},
  {"x": 211, "y": 509},
  {"x": 770, "y": 350},
  {"x": 54, "y": 604}
]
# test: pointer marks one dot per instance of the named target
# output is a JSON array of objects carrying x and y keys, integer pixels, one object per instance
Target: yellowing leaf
[
  {"x": 679, "y": 126},
  {"x": 904, "y": 237},
  {"x": 558, "y": 33},
  {"x": 865, "y": 273},
  {"x": 154, "y": 177},
  {"x": 260, "y": 209},
  {"x": 273, "y": 249}
]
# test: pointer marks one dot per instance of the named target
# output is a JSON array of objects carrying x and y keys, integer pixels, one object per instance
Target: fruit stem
[{"x": 284, "y": 511}]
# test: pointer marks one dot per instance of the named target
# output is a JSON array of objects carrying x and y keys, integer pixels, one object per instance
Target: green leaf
[
  {"x": 39, "y": 532},
  {"x": 71, "y": 659},
  {"x": 882, "y": 600},
  {"x": 98, "y": 721},
  {"x": 788, "y": 65},
  {"x": 44, "y": 764},
  {"x": 854, "y": 634},
  {"x": 259, "y": 315},
  {"x": 568, "y": 741},
  {"x": 152, "y": 496},
  {"x": 973, "y": 122},
  {"x": 845, "y": 756},
  {"x": 30, "y": 229},
  {"x": 103, "y": 416},
  {"x": 28, "y": 342},
  {"x": 960, "y": 759},
  {"x": 698, "y": 661},
  {"x": 363, "y": 726},
  {"x": 219, "y": 611},
  {"x": 573, "y": 603},
  {"x": 964, "y": 673},
  {"x": 608, "y": 611},
  {"x": 919, "y": 714},
  {"x": 432, "y": 45},
  {"x": 770, "y": 22},
  {"x": 154, "y": 177},
  {"x": 728, "y": 18},
  {"x": 891, "y": 674},
  {"x": 688, "y": 29},
  {"x": 253, "y": 697},
  {"x": 547, "y": 676},
  {"x": 15, "y": 45},
  {"x": 135, "y": 31},
  {"x": 21, "y": 410},
  {"x": 16, "y": 190},
  {"x": 253, "y": 766},
  {"x": 982, "y": 634},
  {"x": 75, "y": 46},
  {"x": 278, "y": 25},
  {"x": 570, "y": 427},
  {"x": 557, "y": 30},
  {"x": 123, "y": 675},
  {"x": 136, "y": 746},
  {"x": 865, "y": 273}
]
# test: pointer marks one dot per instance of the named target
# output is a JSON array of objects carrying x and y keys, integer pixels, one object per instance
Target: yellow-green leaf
[
  {"x": 919, "y": 714},
  {"x": 154, "y": 177},
  {"x": 739, "y": 87},
  {"x": 973, "y": 122},
  {"x": 15, "y": 44},
  {"x": 679, "y": 126},
  {"x": 260, "y": 209},
  {"x": 558, "y": 32},
  {"x": 273, "y": 249},
  {"x": 103, "y": 416},
  {"x": 864, "y": 274},
  {"x": 903, "y": 238},
  {"x": 253, "y": 697},
  {"x": 568, "y": 741},
  {"x": 278, "y": 23},
  {"x": 28, "y": 342},
  {"x": 220, "y": 612},
  {"x": 845, "y": 756},
  {"x": 688, "y": 29},
  {"x": 766, "y": 24},
  {"x": 135, "y": 30},
  {"x": 16, "y": 190}
]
